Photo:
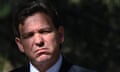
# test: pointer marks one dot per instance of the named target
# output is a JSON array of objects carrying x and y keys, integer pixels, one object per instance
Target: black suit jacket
[{"x": 65, "y": 67}]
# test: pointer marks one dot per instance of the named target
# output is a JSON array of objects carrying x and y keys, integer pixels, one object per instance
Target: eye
[
  {"x": 27, "y": 35},
  {"x": 45, "y": 31}
]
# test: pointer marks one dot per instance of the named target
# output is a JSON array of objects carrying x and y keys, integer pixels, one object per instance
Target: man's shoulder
[
  {"x": 17, "y": 69},
  {"x": 70, "y": 67},
  {"x": 24, "y": 68},
  {"x": 76, "y": 68}
]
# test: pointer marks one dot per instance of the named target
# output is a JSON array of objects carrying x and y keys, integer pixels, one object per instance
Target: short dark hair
[{"x": 31, "y": 7}]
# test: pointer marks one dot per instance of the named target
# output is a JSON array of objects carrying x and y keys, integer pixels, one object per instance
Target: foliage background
[{"x": 92, "y": 34}]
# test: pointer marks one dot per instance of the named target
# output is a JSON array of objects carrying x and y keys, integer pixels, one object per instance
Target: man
[{"x": 39, "y": 35}]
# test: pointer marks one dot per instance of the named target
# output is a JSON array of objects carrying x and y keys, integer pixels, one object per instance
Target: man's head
[
  {"x": 28, "y": 8},
  {"x": 39, "y": 33}
]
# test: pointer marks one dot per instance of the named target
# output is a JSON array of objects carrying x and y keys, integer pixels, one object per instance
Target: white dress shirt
[{"x": 54, "y": 68}]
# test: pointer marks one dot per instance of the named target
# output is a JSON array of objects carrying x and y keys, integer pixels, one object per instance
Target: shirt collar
[
  {"x": 32, "y": 68},
  {"x": 54, "y": 68}
]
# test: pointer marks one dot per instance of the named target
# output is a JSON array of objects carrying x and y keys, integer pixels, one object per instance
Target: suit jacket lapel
[
  {"x": 25, "y": 68},
  {"x": 65, "y": 67}
]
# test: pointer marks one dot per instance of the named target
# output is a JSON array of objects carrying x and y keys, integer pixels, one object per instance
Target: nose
[{"x": 39, "y": 40}]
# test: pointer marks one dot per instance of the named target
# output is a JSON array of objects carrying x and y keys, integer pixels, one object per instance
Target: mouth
[{"x": 41, "y": 51}]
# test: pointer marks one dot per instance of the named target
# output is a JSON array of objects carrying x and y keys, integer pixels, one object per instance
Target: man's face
[{"x": 39, "y": 39}]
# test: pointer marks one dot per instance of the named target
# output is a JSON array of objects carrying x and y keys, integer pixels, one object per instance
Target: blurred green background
[{"x": 92, "y": 34}]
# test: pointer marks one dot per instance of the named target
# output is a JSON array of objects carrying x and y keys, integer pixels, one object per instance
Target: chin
[{"x": 43, "y": 58}]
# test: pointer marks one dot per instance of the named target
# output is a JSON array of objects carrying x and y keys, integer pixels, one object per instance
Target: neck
[{"x": 44, "y": 66}]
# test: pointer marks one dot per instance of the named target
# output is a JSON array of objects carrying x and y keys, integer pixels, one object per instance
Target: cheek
[
  {"x": 28, "y": 48},
  {"x": 51, "y": 39},
  {"x": 27, "y": 44},
  {"x": 52, "y": 43}
]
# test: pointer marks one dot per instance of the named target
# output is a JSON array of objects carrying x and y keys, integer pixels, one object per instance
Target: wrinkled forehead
[
  {"x": 37, "y": 16},
  {"x": 37, "y": 20}
]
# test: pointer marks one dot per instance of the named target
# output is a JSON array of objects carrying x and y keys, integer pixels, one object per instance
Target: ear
[
  {"x": 61, "y": 34},
  {"x": 19, "y": 44}
]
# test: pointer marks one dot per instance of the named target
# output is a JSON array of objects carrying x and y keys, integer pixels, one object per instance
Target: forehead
[
  {"x": 36, "y": 20},
  {"x": 37, "y": 17}
]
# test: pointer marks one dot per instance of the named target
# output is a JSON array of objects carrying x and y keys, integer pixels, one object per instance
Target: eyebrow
[{"x": 42, "y": 29}]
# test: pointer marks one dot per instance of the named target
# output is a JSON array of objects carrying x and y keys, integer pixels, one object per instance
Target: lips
[{"x": 41, "y": 51}]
